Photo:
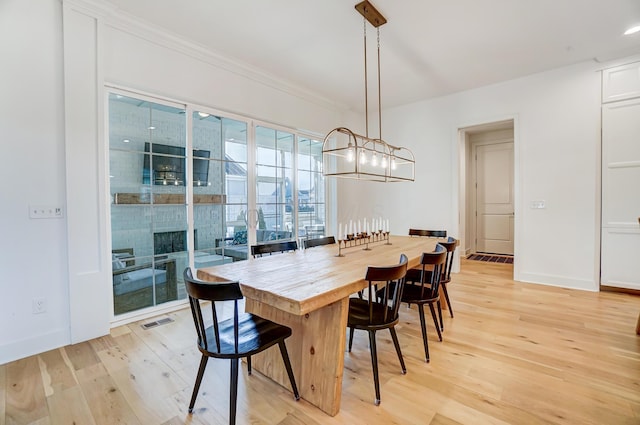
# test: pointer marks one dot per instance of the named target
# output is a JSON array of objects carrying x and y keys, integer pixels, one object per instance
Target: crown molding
[{"x": 118, "y": 19}]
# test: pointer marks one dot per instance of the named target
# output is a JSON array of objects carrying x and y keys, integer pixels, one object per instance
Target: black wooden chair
[
  {"x": 428, "y": 233},
  {"x": 238, "y": 337},
  {"x": 310, "y": 243},
  {"x": 271, "y": 247},
  {"x": 373, "y": 315},
  {"x": 450, "y": 244},
  {"x": 425, "y": 289}
]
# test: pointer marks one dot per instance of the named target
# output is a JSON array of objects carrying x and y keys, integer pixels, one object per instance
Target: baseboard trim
[
  {"x": 559, "y": 281},
  {"x": 35, "y": 345}
]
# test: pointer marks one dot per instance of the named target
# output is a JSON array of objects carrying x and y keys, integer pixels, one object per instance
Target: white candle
[
  {"x": 359, "y": 228},
  {"x": 339, "y": 231},
  {"x": 387, "y": 225},
  {"x": 351, "y": 227}
]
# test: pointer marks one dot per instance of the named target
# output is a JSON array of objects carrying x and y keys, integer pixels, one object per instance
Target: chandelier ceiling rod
[{"x": 375, "y": 18}]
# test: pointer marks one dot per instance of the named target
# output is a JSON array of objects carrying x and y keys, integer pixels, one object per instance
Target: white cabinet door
[{"x": 621, "y": 194}]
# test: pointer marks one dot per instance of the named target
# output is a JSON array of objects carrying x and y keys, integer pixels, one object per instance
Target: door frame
[{"x": 465, "y": 202}]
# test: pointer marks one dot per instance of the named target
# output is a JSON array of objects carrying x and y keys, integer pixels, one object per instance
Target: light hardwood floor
[{"x": 514, "y": 354}]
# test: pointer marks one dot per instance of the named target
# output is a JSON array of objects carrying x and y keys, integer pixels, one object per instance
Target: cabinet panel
[
  {"x": 622, "y": 266},
  {"x": 622, "y": 82}
]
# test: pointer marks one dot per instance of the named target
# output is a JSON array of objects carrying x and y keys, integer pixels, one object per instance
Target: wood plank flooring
[{"x": 514, "y": 354}]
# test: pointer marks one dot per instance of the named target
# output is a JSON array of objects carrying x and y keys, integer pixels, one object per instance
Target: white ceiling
[{"x": 429, "y": 48}]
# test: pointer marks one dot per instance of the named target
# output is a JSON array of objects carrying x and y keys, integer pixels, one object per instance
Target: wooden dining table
[{"x": 308, "y": 290}]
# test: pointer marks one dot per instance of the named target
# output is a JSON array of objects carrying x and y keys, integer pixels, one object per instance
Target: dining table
[{"x": 308, "y": 290}]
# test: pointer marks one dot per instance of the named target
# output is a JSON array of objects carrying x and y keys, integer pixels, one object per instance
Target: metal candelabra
[{"x": 362, "y": 239}]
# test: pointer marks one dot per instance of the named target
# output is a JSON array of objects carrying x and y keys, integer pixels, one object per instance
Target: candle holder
[{"x": 362, "y": 239}]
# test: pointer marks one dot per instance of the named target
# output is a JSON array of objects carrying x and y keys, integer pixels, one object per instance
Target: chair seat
[
  {"x": 413, "y": 294},
  {"x": 359, "y": 315},
  {"x": 254, "y": 335}
]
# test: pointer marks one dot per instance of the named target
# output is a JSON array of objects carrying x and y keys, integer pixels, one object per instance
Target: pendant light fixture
[{"x": 350, "y": 155}]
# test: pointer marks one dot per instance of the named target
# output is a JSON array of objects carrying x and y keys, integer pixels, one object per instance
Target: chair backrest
[
  {"x": 428, "y": 233},
  {"x": 271, "y": 247},
  {"x": 393, "y": 279},
  {"x": 450, "y": 245},
  {"x": 433, "y": 266},
  {"x": 211, "y": 291},
  {"x": 310, "y": 243}
]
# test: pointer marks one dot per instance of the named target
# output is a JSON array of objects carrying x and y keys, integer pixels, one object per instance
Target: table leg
[{"x": 316, "y": 349}]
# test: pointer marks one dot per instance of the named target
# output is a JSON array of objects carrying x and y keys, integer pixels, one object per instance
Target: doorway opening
[{"x": 487, "y": 191}]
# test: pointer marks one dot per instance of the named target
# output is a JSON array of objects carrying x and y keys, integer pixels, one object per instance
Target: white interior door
[
  {"x": 494, "y": 198},
  {"x": 621, "y": 194}
]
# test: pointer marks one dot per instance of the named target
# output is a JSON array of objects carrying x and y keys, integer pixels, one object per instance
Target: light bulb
[
  {"x": 363, "y": 157},
  {"x": 350, "y": 152},
  {"x": 374, "y": 159},
  {"x": 393, "y": 163},
  {"x": 383, "y": 163}
]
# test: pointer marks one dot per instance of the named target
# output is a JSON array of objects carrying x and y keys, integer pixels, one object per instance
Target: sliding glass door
[{"x": 179, "y": 184}]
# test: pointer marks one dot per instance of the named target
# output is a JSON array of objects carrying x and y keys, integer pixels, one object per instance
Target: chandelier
[{"x": 350, "y": 155}]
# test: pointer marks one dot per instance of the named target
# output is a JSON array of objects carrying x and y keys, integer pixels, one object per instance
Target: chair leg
[
  {"x": 440, "y": 316},
  {"x": 287, "y": 365},
  {"x": 435, "y": 320},
  {"x": 394, "y": 337},
  {"x": 248, "y": 365},
  {"x": 350, "y": 338},
  {"x": 196, "y": 386},
  {"x": 423, "y": 326},
  {"x": 446, "y": 296},
  {"x": 374, "y": 364},
  {"x": 233, "y": 396}
]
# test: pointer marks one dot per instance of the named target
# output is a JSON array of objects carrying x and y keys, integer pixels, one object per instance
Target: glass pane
[
  {"x": 235, "y": 138},
  {"x": 207, "y": 136},
  {"x": 304, "y": 154},
  {"x": 310, "y": 188},
  {"x": 148, "y": 212},
  {"x": 220, "y": 206},
  {"x": 284, "y": 146}
]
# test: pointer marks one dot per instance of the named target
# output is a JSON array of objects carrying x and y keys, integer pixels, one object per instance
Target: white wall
[
  {"x": 33, "y": 257},
  {"x": 557, "y": 142}
]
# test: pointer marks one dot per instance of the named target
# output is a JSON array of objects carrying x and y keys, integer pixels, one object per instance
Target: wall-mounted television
[{"x": 170, "y": 170}]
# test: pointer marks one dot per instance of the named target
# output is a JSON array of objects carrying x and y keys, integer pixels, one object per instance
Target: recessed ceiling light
[
  {"x": 151, "y": 128},
  {"x": 203, "y": 114},
  {"x": 632, "y": 30},
  {"x": 126, "y": 141}
]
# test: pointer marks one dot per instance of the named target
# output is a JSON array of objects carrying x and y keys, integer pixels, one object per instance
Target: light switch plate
[
  {"x": 45, "y": 211},
  {"x": 538, "y": 205}
]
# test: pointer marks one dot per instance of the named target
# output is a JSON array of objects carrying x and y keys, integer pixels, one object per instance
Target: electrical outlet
[{"x": 39, "y": 305}]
